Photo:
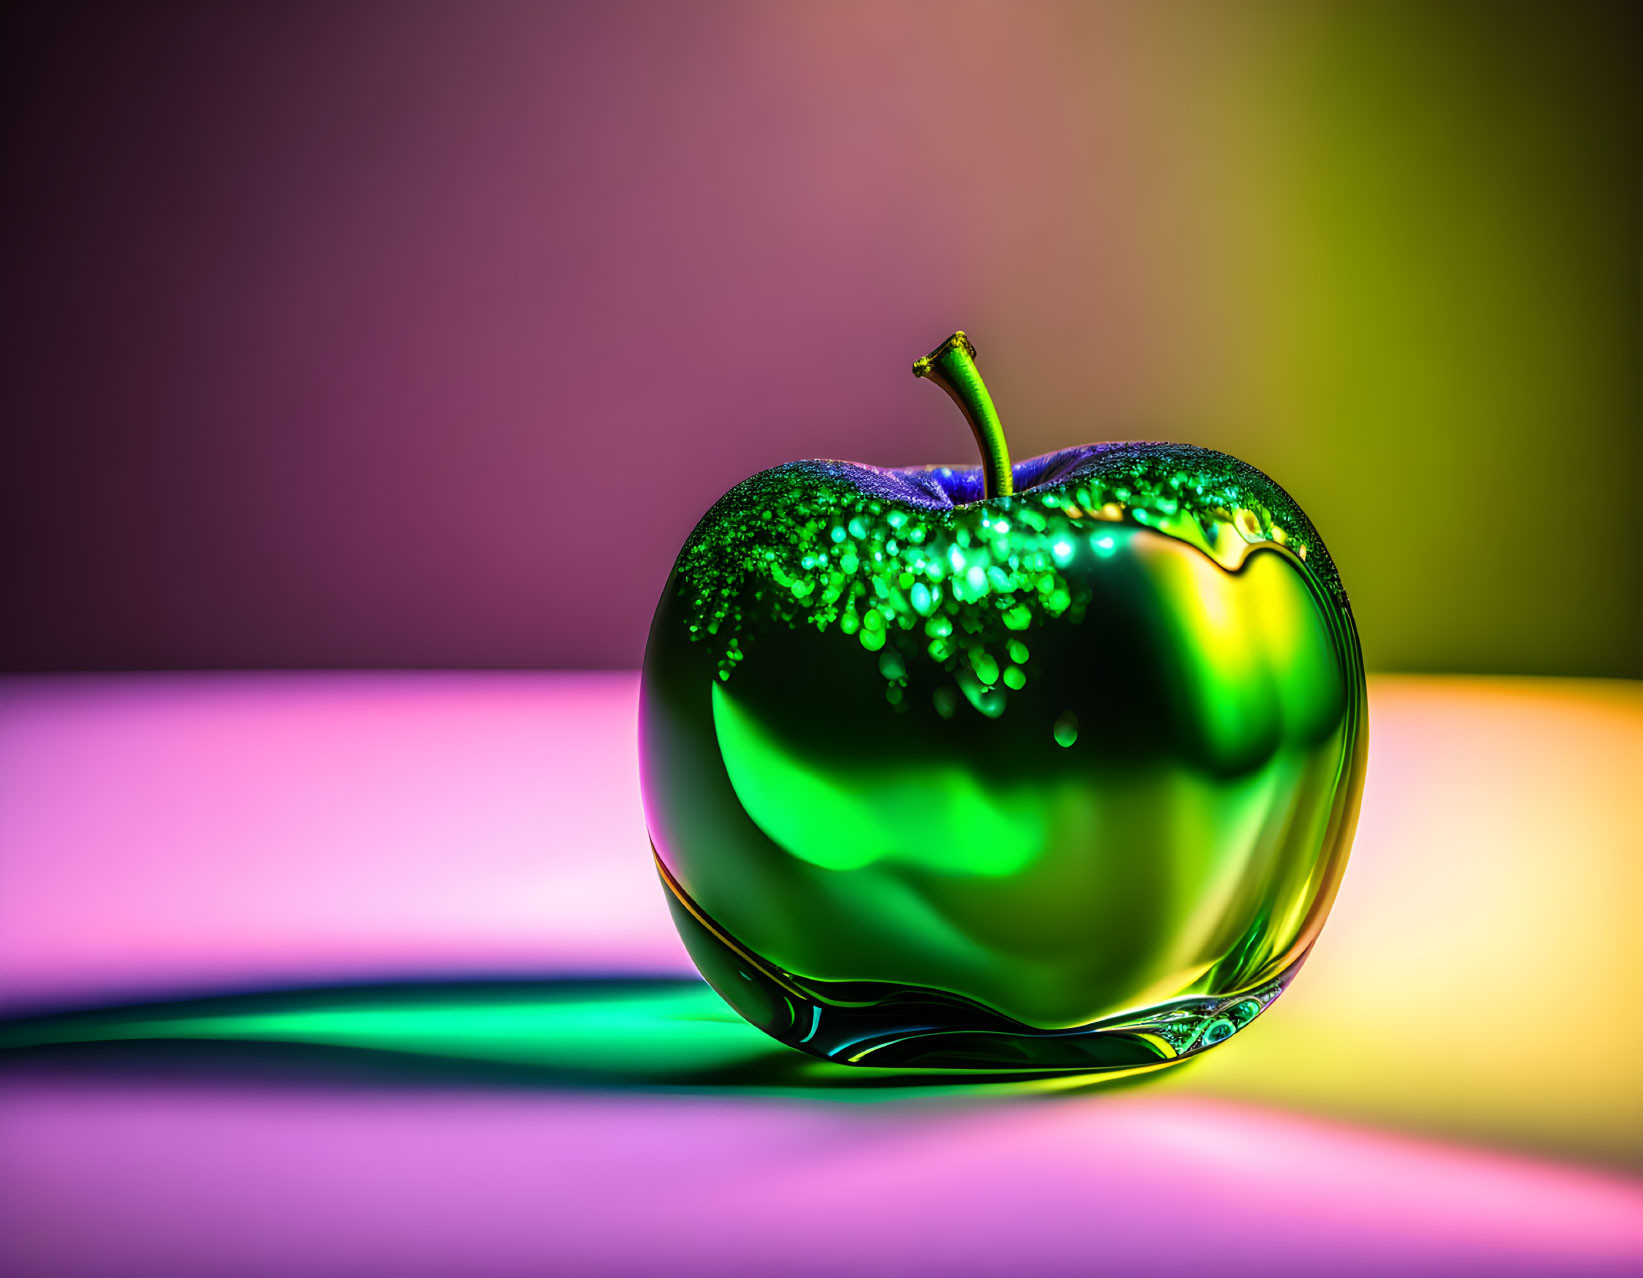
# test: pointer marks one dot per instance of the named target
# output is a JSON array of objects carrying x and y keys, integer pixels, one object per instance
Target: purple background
[{"x": 420, "y": 335}]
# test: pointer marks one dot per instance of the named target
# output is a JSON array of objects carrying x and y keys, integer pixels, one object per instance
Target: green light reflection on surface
[
  {"x": 669, "y": 1027},
  {"x": 605, "y": 1032}
]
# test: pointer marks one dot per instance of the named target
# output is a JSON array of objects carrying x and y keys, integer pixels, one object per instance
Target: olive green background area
[
  {"x": 376, "y": 336},
  {"x": 1443, "y": 350},
  {"x": 1416, "y": 304}
]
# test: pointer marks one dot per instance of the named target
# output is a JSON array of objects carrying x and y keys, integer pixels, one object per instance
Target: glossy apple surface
[{"x": 1060, "y": 779}]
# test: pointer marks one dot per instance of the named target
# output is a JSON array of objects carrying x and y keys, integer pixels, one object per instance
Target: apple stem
[{"x": 952, "y": 366}]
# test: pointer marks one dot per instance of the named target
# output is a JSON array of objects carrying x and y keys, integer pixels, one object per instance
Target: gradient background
[
  {"x": 420, "y": 335},
  {"x": 409, "y": 335}
]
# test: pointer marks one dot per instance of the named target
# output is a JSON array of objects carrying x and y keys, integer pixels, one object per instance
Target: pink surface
[
  {"x": 1400, "y": 1111},
  {"x": 156, "y": 1181},
  {"x": 178, "y": 834}
]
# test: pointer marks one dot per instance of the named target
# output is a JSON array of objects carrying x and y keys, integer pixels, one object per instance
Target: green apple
[{"x": 1044, "y": 766}]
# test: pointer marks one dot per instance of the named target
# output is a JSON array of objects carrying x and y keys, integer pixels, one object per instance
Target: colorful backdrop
[{"x": 420, "y": 335}]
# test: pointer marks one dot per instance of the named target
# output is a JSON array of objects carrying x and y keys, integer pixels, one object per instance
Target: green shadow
[{"x": 626, "y": 1033}]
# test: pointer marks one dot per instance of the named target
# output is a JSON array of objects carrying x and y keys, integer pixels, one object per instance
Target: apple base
[{"x": 882, "y": 1023}]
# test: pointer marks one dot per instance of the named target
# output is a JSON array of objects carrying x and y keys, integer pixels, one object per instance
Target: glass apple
[{"x": 1051, "y": 766}]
